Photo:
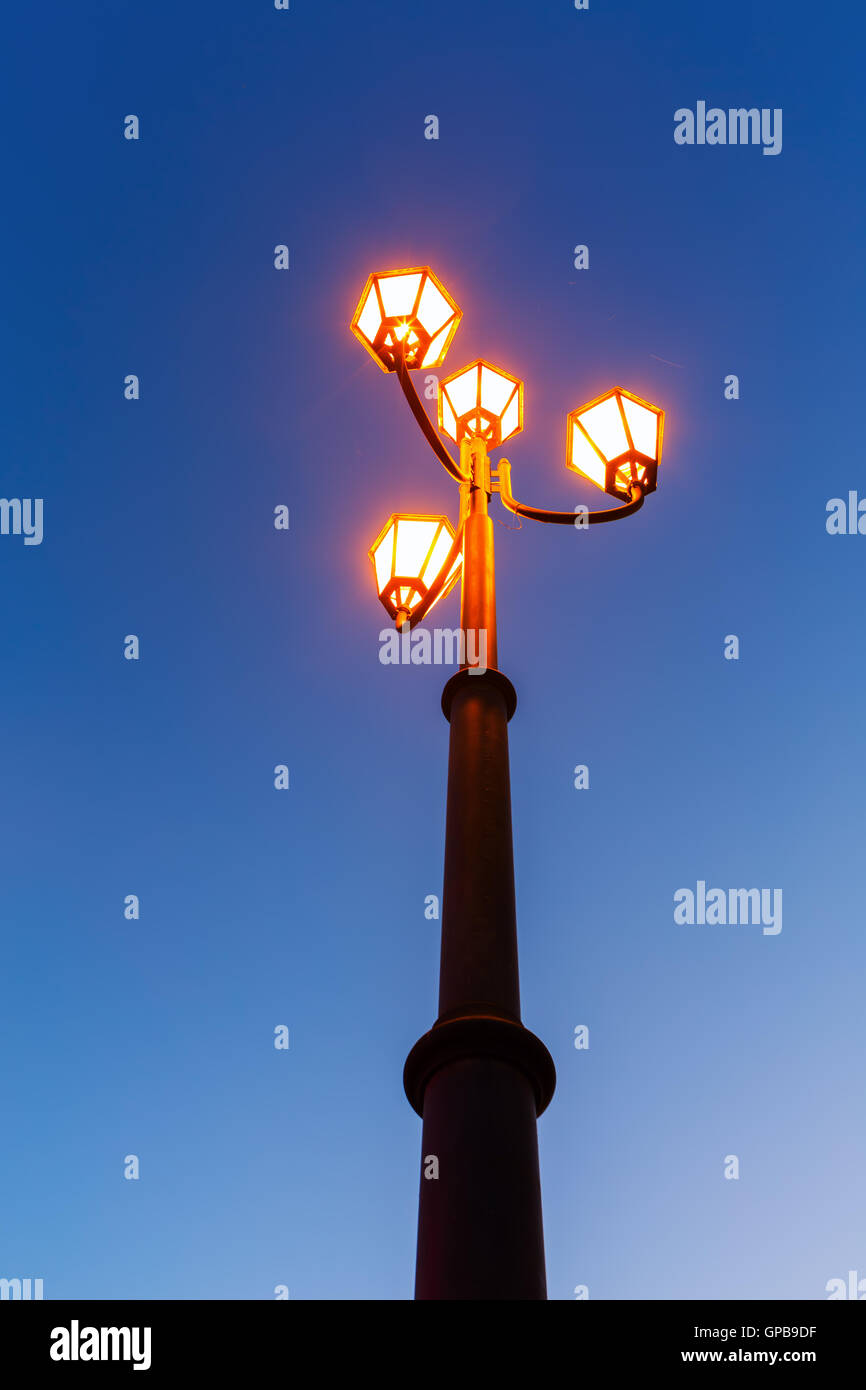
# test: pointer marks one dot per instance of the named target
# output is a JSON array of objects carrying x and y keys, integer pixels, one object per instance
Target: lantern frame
[
  {"x": 389, "y": 594},
  {"x": 386, "y": 342},
  {"x": 492, "y": 433},
  {"x": 631, "y": 460}
]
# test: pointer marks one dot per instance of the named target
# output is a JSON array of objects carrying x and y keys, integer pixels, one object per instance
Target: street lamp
[{"x": 479, "y": 1078}]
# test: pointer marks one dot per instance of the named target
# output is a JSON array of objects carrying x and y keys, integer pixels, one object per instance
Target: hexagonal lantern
[
  {"x": 481, "y": 402},
  {"x": 616, "y": 440},
  {"x": 408, "y": 309},
  {"x": 407, "y": 557}
]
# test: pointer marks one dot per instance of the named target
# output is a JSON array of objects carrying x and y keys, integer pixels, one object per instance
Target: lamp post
[{"x": 479, "y": 1078}]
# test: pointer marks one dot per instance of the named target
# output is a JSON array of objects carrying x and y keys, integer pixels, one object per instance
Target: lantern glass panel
[
  {"x": 449, "y": 419},
  {"x": 414, "y": 539},
  {"x": 463, "y": 392},
  {"x": 433, "y": 308},
  {"x": 382, "y": 557},
  {"x": 603, "y": 424},
  {"x": 511, "y": 417},
  {"x": 584, "y": 457},
  {"x": 643, "y": 424},
  {"x": 399, "y": 293},
  {"x": 437, "y": 346},
  {"x": 371, "y": 316},
  {"x": 495, "y": 391}
]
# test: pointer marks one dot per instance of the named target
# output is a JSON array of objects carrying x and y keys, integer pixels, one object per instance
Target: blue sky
[{"x": 306, "y": 908}]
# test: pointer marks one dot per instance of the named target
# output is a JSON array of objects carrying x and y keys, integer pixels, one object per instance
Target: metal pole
[{"x": 479, "y": 1078}]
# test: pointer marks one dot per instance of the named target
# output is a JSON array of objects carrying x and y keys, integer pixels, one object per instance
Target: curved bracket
[
  {"x": 564, "y": 518},
  {"x": 428, "y": 429}
]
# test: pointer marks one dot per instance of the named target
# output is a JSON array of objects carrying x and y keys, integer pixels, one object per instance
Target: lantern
[
  {"x": 408, "y": 311},
  {"x": 481, "y": 402},
  {"x": 615, "y": 441},
  {"x": 408, "y": 556}
]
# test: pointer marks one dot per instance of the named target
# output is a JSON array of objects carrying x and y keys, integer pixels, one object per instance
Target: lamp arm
[
  {"x": 564, "y": 518},
  {"x": 439, "y": 582},
  {"x": 427, "y": 428}
]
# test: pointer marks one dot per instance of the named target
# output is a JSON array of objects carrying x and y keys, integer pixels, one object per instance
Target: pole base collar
[
  {"x": 471, "y": 676},
  {"x": 479, "y": 1036}
]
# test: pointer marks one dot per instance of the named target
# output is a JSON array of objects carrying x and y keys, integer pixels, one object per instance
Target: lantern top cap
[
  {"x": 617, "y": 391},
  {"x": 477, "y": 365}
]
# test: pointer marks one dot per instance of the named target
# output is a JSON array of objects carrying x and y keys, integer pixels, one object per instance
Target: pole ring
[
  {"x": 479, "y": 1035},
  {"x": 479, "y": 679}
]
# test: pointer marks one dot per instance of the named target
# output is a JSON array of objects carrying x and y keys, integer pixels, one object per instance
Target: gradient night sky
[{"x": 261, "y": 907}]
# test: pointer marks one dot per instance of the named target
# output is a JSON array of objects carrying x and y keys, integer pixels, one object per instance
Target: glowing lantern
[
  {"x": 406, "y": 310},
  {"x": 616, "y": 440},
  {"x": 408, "y": 556},
  {"x": 481, "y": 402}
]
